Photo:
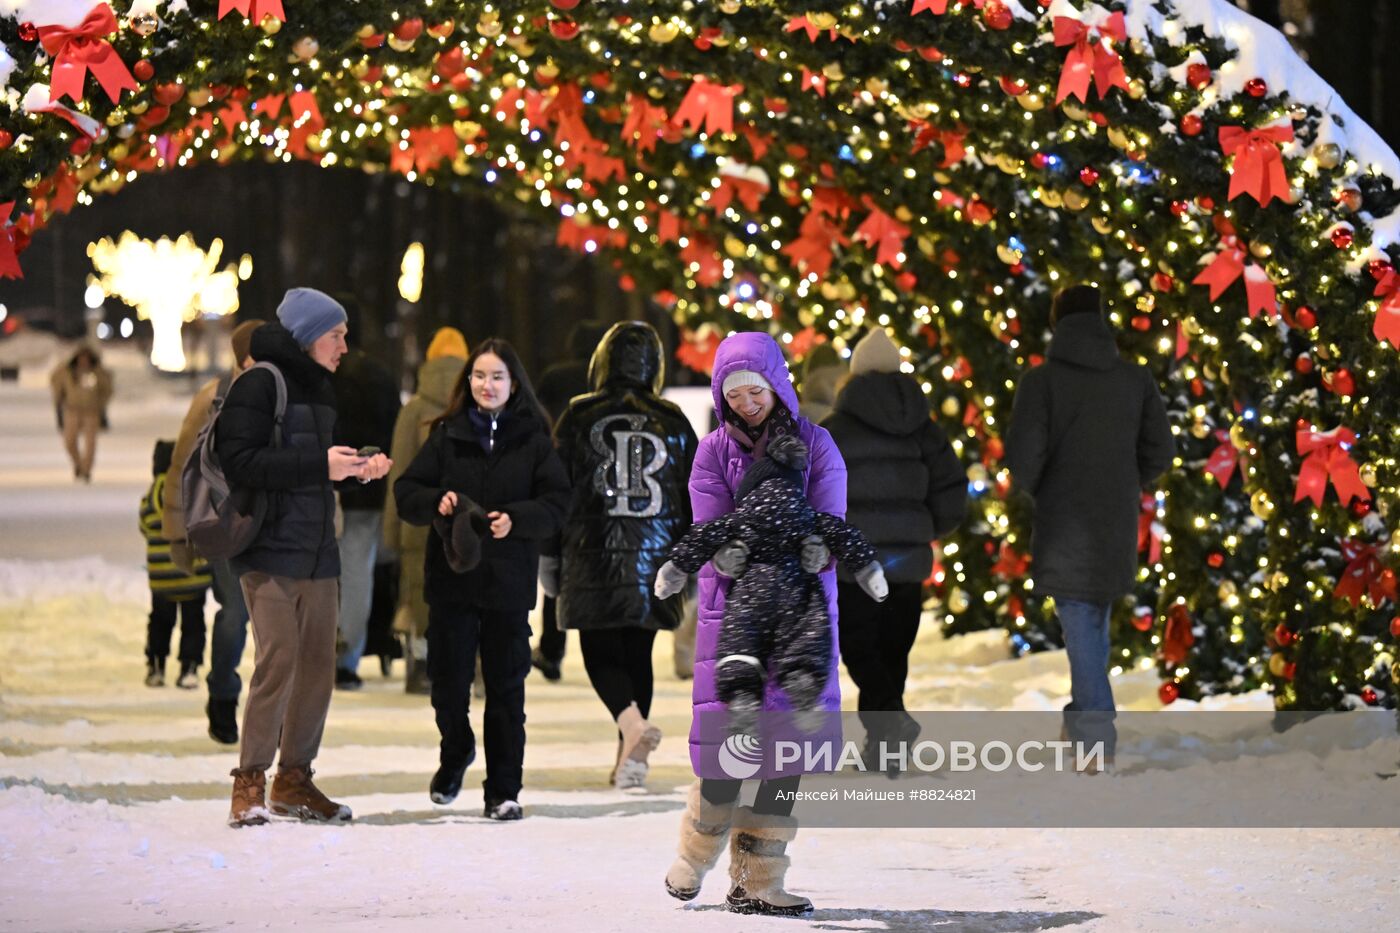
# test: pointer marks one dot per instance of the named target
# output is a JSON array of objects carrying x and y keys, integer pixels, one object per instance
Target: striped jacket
[{"x": 167, "y": 580}]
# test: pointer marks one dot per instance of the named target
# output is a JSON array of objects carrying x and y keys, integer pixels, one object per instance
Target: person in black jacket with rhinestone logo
[
  {"x": 628, "y": 453},
  {"x": 1088, "y": 433},
  {"x": 490, "y": 452}
]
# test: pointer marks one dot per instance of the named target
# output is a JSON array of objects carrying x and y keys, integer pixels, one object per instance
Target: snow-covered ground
[{"x": 112, "y": 798}]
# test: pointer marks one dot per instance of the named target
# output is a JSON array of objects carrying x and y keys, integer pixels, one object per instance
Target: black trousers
[
  {"x": 161, "y": 624},
  {"x": 876, "y": 639},
  {"x": 552, "y": 639},
  {"x": 618, "y": 662},
  {"x": 765, "y": 801},
  {"x": 455, "y": 635}
]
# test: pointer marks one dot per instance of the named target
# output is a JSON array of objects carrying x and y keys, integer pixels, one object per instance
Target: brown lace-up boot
[
  {"x": 293, "y": 794},
  {"x": 248, "y": 808}
]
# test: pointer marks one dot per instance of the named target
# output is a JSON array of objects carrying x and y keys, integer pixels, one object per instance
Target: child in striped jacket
[{"x": 172, "y": 590}]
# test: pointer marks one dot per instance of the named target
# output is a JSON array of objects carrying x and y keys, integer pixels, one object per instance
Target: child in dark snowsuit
[
  {"x": 775, "y": 618},
  {"x": 173, "y": 592}
]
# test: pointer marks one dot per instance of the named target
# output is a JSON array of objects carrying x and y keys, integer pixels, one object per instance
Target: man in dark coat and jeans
[
  {"x": 1088, "y": 433},
  {"x": 289, "y": 575}
]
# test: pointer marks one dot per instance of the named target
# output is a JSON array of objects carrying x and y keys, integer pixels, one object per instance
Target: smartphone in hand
[{"x": 368, "y": 451}]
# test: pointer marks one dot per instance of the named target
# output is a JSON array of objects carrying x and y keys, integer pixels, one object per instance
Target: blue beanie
[{"x": 308, "y": 314}]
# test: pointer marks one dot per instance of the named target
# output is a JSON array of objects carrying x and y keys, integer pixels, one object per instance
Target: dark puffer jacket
[
  {"x": 521, "y": 476},
  {"x": 905, "y": 486},
  {"x": 628, "y": 454},
  {"x": 1088, "y": 432},
  {"x": 297, "y": 538}
]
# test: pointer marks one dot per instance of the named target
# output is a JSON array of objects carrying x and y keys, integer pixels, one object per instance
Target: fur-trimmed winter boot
[
  {"x": 758, "y": 862},
  {"x": 248, "y": 808},
  {"x": 704, "y": 827},
  {"x": 639, "y": 739}
]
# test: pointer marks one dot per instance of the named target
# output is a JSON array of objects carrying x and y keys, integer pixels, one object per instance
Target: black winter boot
[
  {"x": 223, "y": 721},
  {"x": 155, "y": 671}
]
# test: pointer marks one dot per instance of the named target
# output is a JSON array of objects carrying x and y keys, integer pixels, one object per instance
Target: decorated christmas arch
[{"x": 815, "y": 168}]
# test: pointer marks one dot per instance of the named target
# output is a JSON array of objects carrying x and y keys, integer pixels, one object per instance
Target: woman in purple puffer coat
[{"x": 754, "y": 403}]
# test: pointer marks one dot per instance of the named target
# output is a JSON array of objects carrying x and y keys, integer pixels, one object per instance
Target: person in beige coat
[
  {"x": 82, "y": 387},
  {"x": 442, "y": 366}
]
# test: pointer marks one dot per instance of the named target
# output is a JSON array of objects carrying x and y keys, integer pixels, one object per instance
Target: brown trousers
[
  {"x": 80, "y": 437},
  {"x": 294, "y": 625}
]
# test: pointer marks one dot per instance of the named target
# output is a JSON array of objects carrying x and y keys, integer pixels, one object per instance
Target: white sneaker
[
  {"x": 189, "y": 678},
  {"x": 631, "y": 775}
]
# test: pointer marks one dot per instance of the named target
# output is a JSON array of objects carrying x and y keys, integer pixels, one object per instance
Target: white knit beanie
[
  {"x": 875, "y": 353},
  {"x": 743, "y": 377}
]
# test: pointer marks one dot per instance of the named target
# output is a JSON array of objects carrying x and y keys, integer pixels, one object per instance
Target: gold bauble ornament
[
  {"x": 1118, "y": 138},
  {"x": 1277, "y": 664},
  {"x": 116, "y": 117},
  {"x": 1137, "y": 89},
  {"x": 1226, "y": 590},
  {"x": 1368, "y": 474},
  {"x": 950, "y": 407},
  {"x": 1200, "y": 430},
  {"x": 1076, "y": 200},
  {"x": 1030, "y": 101},
  {"x": 730, "y": 7},
  {"x": 661, "y": 33},
  {"x": 977, "y": 473},
  {"x": 119, "y": 151},
  {"x": 1260, "y": 250},
  {"x": 876, "y": 86},
  {"x": 125, "y": 131},
  {"x": 1051, "y": 198},
  {"x": 143, "y": 24},
  {"x": 828, "y": 290},
  {"x": 1074, "y": 110},
  {"x": 1238, "y": 438},
  {"x": 548, "y": 71},
  {"x": 927, "y": 244},
  {"x": 958, "y": 601},
  {"x": 270, "y": 25},
  {"x": 365, "y": 31},
  {"x": 306, "y": 48},
  {"x": 845, "y": 290},
  {"x": 1277, "y": 580},
  {"x": 734, "y": 246},
  {"x": 489, "y": 24},
  {"x": 141, "y": 106},
  {"x": 399, "y": 45},
  {"x": 1008, "y": 254},
  {"x": 1328, "y": 155},
  {"x": 822, "y": 20},
  {"x": 1102, "y": 225},
  {"x": 833, "y": 71},
  {"x": 198, "y": 97},
  {"x": 903, "y": 214},
  {"x": 1191, "y": 326},
  {"x": 1261, "y": 505}
]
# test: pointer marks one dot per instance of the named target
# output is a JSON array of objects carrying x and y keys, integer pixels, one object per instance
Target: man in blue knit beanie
[{"x": 309, "y": 313}]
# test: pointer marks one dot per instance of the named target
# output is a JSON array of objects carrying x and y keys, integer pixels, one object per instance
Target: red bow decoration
[
  {"x": 698, "y": 348},
  {"x": 804, "y": 23},
  {"x": 1150, "y": 530},
  {"x": 814, "y": 80},
  {"x": 811, "y": 251},
  {"x": 1090, "y": 58},
  {"x": 1223, "y": 462},
  {"x": 708, "y": 106},
  {"x": 9, "y": 253},
  {"x": 588, "y": 238},
  {"x": 950, "y": 140},
  {"x": 937, "y": 7},
  {"x": 84, "y": 48},
  {"x": 1178, "y": 637},
  {"x": 748, "y": 190},
  {"x": 1258, "y": 168},
  {"x": 1364, "y": 575},
  {"x": 254, "y": 10},
  {"x": 1229, "y": 264},
  {"x": 1010, "y": 564},
  {"x": 668, "y": 225},
  {"x": 644, "y": 123},
  {"x": 700, "y": 251},
  {"x": 1325, "y": 459},
  {"x": 1387, "y": 326},
  {"x": 884, "y": 233},
  {"x": 423, "y": 148}
]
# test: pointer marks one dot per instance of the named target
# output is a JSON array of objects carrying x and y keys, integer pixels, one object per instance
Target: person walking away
[
  {"x": 628, "y": 454},
  {"x": 754, "y": 403},
  {"x": 367, "y": 404},
  {"x": 906, "y": 490},
  {"x": 231, "y": 620},
  {"x": 173, "y": 591},
  {"x": 557, "y": 385},
  {"x": 488, "y": 466},
  {"x": 81, "y": 388},
  {"x": 289, "y": 572},
  {"x": 1088, "y": 433},
  {"x": 442, "y": 367},
  {"x": 822, "y": 373}
]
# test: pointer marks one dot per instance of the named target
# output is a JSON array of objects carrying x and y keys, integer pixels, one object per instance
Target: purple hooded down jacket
[{"x": 720, "y": 463}]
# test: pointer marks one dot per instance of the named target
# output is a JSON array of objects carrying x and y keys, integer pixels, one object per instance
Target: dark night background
[{"x": 487, "y": 271}]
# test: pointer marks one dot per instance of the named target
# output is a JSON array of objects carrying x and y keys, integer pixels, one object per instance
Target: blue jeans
[
  {"x": 359, "y": 547},
  {"x": 1089, "y": 715},
  {"x": 230, "y": 634}
]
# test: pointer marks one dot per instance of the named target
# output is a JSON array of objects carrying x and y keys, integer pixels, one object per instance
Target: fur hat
[
  {"x": 242, "y": 341},
  {"x": 743, "y": 377},
  {"x": 309, "y": 313},
  {"x": 462, "y": 534},
  {"x": 448, "y": 341},
  {"x": 875, "y": 353},
  {"x": 785, "y": 458}
]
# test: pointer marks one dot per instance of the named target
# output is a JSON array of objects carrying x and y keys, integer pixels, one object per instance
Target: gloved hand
[
  {"x": 549, "y": 576},
  {"x": 732, "y": 559},
  {"x": 815, "y": 554},
  {"x": 871, "y": 578},
  {"x": 670, "y": 580}
]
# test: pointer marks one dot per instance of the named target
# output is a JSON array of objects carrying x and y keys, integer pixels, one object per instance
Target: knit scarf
[{"x": 755, "y": 438}]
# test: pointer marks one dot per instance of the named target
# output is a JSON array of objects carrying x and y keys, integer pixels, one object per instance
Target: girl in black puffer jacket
[{"x": 489, "y": 452}]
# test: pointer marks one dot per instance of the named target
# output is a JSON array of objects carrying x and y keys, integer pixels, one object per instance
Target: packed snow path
[{"x": 112, "y": 798}]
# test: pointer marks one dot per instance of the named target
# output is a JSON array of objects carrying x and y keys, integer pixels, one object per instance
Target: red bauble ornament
[
  {"x": 1215, "y": 559},
  {"x": 1303, "y": 364},
  {"x": 1198, "y": 387},
  {"x": 1284, "y": 635},
  {"x": 1360, "y": 508},
  {"x": 1016, "y": 268},
  {"x": 1379, "y": 268},
  {"x": 1368, "y": 695},
  {"x": 1142, "y": 621},
  {"x": 1192, "y": 124},
  {"x": 564, "y": 4},
  {"x": 1161, "y": 282},
  {"x": 1014, "y": 87},
  {"x": 1040, "y": 160},
  {"x": 1142, "y": 323},
  {"x": 442, "y": 30},
  {"x": 1395, "y": 627},
  {"x": 1206, "y": 203},
  {"x": 6, "y": 139},
  {"x": 1198, "y": 75},
  {"x": 997, "y": 15},
  {"x": 1342, "y": 237},
  {"x": 994, "y": 448},
  {"x": 80, "y": 146},
  {"x": 1180, "y": 208},
  {"x": 143, "y": 70},
  {"x": 1290, "y": 670},
  {"x": 28, "y": 32},
  {"x": 1088, "y": 176},
  {"x": 1168, "y": 693},
  {"x": 1342, "y": 382},
  {"x": 1306, "y": 318},
  {"x": 563, "y": 28},
  {"x": 1256, "y": 87},
  {"x": 409, "y": 30}
]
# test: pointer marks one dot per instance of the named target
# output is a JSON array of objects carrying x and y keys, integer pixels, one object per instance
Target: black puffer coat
[
  {"x": 297, "y": 538},
  {"x": 1088, "y": 432},
  {"x": 624, "y": 517},
  {"x": 521, "y": 476},
  {"x": 904, "y": 484}
]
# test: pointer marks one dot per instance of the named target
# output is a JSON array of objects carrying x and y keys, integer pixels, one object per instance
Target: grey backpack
[{"x": 222, "y": 521}]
